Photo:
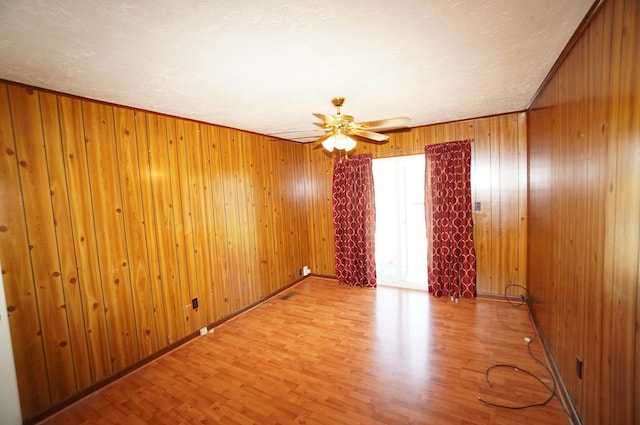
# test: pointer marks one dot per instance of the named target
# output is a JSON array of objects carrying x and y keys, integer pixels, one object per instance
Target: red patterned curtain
[
  {"x": 354, "y": 221},
  {"x": 451, "y": 255}
]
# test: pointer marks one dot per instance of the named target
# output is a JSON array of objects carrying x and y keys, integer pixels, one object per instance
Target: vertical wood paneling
[
  {"x": 300, "y": 233},
  {"x": 246, "y": 249},
  {"x": 274, "y": 182},
  {"x": 113, "y": 219},
  {"x": 109, "y": 233},
  {"x": 134, "y": 219},
  {"x": 196, "y": 196},
  {"x": 575, "y": 167},
  {"x": 160, "y": 329},
  {"x": 495, "y": 178},
  {"x": 584, "y": 208},
  {"x": 164, "y": 231},
  {"x": 25, "y": 108},
  {"x": 84, "y": 240},
  {"x": 482, "y": 219},
  {"x": 253, "y": 162},
  {"x": 595, "y": 188},
  {"x": 231, "y": 211},
  {"x": 204, "y": 225},
  {"x": 64, "y": 238},
  {"x": 509, "y": 166},
  {"x": 180, "y": 211},
  {"x": 221, "y": 295},
  {"x": 261, "y": 170},
  {"x": 267, "y": 226},
  {"x": 630, "y": 124},
  {"x": 21, "y": 295},
  {"x": 290, "y": 223},
  {"x": 603, "y": 288},
  {"x": 522, "y": 194},
  {"x": 499, "y": 182},
  {"x": 622, "y": 233},
  {"x": 319, "y": 173},
  {"x": 276, "y": 230}
]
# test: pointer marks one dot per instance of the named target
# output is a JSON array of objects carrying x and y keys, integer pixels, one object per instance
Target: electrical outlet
[
  {"x": 194, "y": 303},
  {"x": 579, "y": 367}
]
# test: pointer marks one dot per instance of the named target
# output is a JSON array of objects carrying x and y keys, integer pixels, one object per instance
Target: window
[{"x": 401, "y": 238}]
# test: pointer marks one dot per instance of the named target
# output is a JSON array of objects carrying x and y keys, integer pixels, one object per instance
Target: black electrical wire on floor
[
  {"x": 552, "y": 390},
  {"x": 523, "y": 298},
  {"x": 514, "y": 301}
]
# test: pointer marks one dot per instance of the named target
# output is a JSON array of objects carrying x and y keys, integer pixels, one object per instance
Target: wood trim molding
[
  {"x": 500, "y": 297},
  {"x": 561, "y": 389}
]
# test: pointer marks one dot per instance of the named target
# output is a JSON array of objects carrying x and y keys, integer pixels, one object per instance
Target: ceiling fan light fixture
[
  {"x": 339, "y": 141},
  {"x": 343, "y": 142},
  {"x": 329, "y": 144}
]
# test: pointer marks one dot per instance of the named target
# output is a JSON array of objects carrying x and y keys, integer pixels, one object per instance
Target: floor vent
[{"x": 288, "y": 295}]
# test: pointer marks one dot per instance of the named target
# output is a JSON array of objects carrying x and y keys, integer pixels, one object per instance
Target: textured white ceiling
[{"x": 265, "y": 66}]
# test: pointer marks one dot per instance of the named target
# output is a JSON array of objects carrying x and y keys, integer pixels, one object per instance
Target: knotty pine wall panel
[
  {"x": 113, "y": 219},
  {"x": 44, "y": 261},
  {"x": 99, "y": 140},
  {"x": 73, "y": 300},
  {"x": 134, "y": 223},
  {"x": 87, "y": 275},
  {"x": 13, "y": 228},
  {"x": 498, "y": 179},
  {"x": 584, "y": 236}
]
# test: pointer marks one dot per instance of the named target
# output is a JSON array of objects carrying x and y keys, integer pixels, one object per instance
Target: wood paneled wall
[
  {"x": 584, "y": 234},
  {"x": 499, "y": 183},
  {"x": 113, "y": 219}
]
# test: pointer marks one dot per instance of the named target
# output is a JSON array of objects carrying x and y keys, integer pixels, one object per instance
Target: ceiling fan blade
[
  {"x": 322, "y": 138},
  {"x": 370, "y": 135},
  {"x": 327, "y": 119},
  {"x": 387, "y": 124}
]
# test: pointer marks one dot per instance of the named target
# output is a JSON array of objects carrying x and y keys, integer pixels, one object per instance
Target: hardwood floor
[{"x": 330, "y": 354}]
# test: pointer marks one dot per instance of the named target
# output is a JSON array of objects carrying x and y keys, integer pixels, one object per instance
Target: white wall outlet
[
  {"x": 204, "y": 331},
  {"x": 305, "y": 271}
]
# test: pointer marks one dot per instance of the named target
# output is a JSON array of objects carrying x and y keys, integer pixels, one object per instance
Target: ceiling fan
[{"x": 341, "y": 132}]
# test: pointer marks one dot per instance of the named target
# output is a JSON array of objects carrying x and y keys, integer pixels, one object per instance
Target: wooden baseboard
[
  {"x": 130, "y": 369},
  {"x": 324, "y": 276},
  {"x": 501, "y": 297},
  {"x": 561, "y": 389}
]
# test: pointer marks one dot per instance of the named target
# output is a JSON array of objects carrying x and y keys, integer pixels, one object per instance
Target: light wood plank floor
[{"x": 332, "y": 354}]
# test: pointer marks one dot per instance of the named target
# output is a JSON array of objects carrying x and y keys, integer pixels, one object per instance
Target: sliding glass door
[{"x": 401, "y": 238}]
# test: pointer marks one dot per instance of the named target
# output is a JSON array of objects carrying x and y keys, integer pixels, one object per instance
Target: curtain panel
[
  {"x": 451, "y": 251},
  {"x": 354, "y": 221}
]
